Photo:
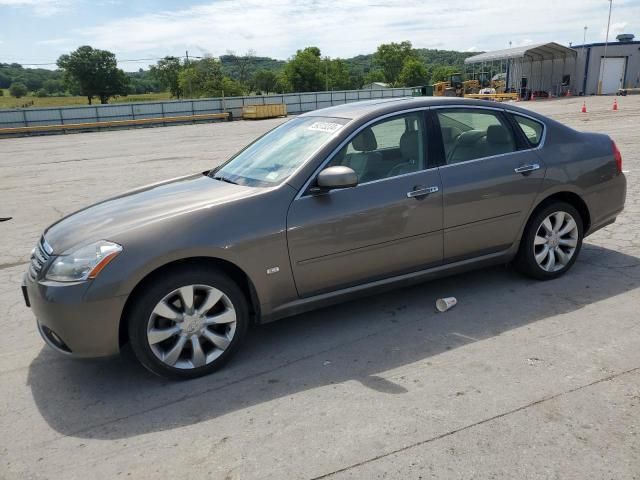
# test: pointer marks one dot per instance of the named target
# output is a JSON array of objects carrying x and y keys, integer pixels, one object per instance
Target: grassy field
[{"x": 7, "y": 101}]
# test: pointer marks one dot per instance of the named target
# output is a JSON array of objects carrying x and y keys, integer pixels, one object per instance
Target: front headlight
[{"x": 83, "y": 263}]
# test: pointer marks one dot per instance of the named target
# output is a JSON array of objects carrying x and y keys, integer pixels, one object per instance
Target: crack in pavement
[
  {"x": 4, "y": 266},
  {"x": 475, "y": 424}
]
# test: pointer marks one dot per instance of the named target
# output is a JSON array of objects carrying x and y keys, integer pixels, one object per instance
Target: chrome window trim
[
  {"x": 467, "y": 162},
  {"x": 333, "y": 153}
]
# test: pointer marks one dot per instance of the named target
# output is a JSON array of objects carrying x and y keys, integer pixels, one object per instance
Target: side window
[
  {"x": 531, "y": 129},
  {"x": 469, "y": 134},
  {"x": 389, "y": 148}
]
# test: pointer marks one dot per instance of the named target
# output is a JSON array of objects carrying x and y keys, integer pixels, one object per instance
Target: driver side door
[{"x": 389, "y": 224}]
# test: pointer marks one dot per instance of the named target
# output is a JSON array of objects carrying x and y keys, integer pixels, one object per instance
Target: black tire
[
  {"x": 525, "y": 260},
  {"x": 141, "y": 311}
]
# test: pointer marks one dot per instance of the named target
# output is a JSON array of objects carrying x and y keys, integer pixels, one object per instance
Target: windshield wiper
[{"x": 223, "y": 179}]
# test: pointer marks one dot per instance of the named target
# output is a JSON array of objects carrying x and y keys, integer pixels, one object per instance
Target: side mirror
[{"x": 336, "y": 177}]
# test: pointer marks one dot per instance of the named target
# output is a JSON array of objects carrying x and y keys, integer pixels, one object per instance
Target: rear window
[{"x": 531, "y": 129}]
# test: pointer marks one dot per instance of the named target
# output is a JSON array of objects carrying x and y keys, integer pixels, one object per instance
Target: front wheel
[
  {"x": 551, "y": 242},
  {"x": 188, "y": 322}
]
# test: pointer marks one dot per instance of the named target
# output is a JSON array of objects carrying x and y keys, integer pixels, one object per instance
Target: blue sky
[{"x": 38, "y": 31}]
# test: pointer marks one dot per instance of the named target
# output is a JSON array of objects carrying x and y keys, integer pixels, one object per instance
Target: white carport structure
[{"x": 545, "y": 67}]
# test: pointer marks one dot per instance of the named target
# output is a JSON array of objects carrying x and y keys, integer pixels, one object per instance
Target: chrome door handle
[
  {"x": 422, "y": 192},
  {"x": 527, "y": 168}
]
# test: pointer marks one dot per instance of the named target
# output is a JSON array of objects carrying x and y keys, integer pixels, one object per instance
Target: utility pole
[
  {"x": 326, "y": 74},
  {"x": 584, "y": 37},
  {"x": 604, "y": 58},
  {"x": 584, "y": 59},
  {"x": 186, "y": 62}
]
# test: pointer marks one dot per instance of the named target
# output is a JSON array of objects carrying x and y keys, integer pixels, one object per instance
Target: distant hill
[
  {"x": 229, "y": 65},
  {"x": 36, "y": 78},
  {"x": 33, "y": 78},
  {"x": 428, "y": 55}
]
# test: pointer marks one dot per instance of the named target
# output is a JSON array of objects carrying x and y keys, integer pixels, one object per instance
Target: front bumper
[{"x": 69, "y": 323}]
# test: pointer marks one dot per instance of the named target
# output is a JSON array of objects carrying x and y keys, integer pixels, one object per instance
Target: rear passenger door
[{"x": 490, "y": 177}]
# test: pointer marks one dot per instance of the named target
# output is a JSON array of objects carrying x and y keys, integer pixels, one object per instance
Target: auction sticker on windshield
[{"x": 325, "y": 127}]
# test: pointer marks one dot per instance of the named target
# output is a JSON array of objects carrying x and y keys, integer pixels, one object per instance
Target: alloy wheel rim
[
  {"x": 555, "y": 242},
  {"x": 191, "y": 326}
]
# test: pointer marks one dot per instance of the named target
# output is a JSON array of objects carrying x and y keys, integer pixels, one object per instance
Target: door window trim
[{"x": 304, "y": 191}]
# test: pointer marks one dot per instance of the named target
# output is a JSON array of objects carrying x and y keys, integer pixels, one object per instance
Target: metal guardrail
[
  {"x": 112, "y": 124},
  {"x": 172, "y": 109}
]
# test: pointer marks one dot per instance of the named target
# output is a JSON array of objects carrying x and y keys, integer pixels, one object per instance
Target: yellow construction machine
[{"x": 455, "y": 87}]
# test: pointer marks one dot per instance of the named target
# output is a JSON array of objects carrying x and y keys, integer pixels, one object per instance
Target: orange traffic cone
[
  {"x": 533, "y": 96},
  {"x": 615, "y": 104},
  {"x": 584, "y": 107},
  {"x": 569, "y": 93}
]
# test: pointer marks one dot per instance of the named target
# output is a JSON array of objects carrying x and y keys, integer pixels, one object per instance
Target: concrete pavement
[{"x": 521, "y": 379}]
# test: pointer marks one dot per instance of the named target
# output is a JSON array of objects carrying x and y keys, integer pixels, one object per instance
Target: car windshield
[{"x": 276, "y": 155}]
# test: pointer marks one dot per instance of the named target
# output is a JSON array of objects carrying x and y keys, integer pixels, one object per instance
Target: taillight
[{"x": 617, "y": 155}]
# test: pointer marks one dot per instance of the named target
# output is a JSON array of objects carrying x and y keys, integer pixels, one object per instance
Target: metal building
[
  {"x": 553, "y": 69},
  {"x": 621, "y": 69},
  {"x": 545, "y": 68}
]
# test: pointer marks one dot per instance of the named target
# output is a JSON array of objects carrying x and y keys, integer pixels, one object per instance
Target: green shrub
[{"x": 18, "y": 89}]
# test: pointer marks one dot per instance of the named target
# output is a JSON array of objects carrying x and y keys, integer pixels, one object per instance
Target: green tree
[
  {"x": 94, "y": 73},
  {"x": 5, "y": 80},
  {"x": 391, "y": 57},
  {"x": 264, "y": 81},
  {"x": 441, "y": 73},
  {"x": 413, "y": 73},
  {"x": 283, "y": 85},
  {"x": 231, "y": 88},
  {"x": 205, "y": 79},
  {"x": 32, "y": 83},
  {"x": 372, "y": 77},
  {"x": 167, "y": 73},
  {"x": 304, "y": 72},
  {"x": 18, "y": 89},
  {"x": 201, "y": 78},
  {"x": 53, "y": 86},
  {"x": 339, "y": 75},
  {"x": 42, "y": 93},
  {"x": 242, "y": 64}
]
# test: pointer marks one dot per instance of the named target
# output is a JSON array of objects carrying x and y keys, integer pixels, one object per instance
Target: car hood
[{"x": 140, "y": 207}]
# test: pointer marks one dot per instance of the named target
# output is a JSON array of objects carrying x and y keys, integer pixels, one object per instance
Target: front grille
[{"x": 39, "y": 258}]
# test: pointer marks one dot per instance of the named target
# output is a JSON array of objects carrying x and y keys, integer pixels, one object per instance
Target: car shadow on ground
[{"x": 355, "y": 341}]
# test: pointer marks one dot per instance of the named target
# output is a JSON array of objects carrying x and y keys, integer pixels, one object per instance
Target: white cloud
[
  {"x": 615, "y": 29},
  {"x": 277, "y": 28},
  {"x": 522, "y": 43},
  {"x": 55, "y": 41},
  {"x": 43, "y": 8}
]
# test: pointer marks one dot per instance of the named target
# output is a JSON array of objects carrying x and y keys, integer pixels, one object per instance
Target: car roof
[{"x": 372, "y": 108}]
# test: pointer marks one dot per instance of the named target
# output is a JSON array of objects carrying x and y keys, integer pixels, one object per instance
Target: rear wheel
[
  {"x": 188, "y": 323},
  {"x": 551, "y": 241}
]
